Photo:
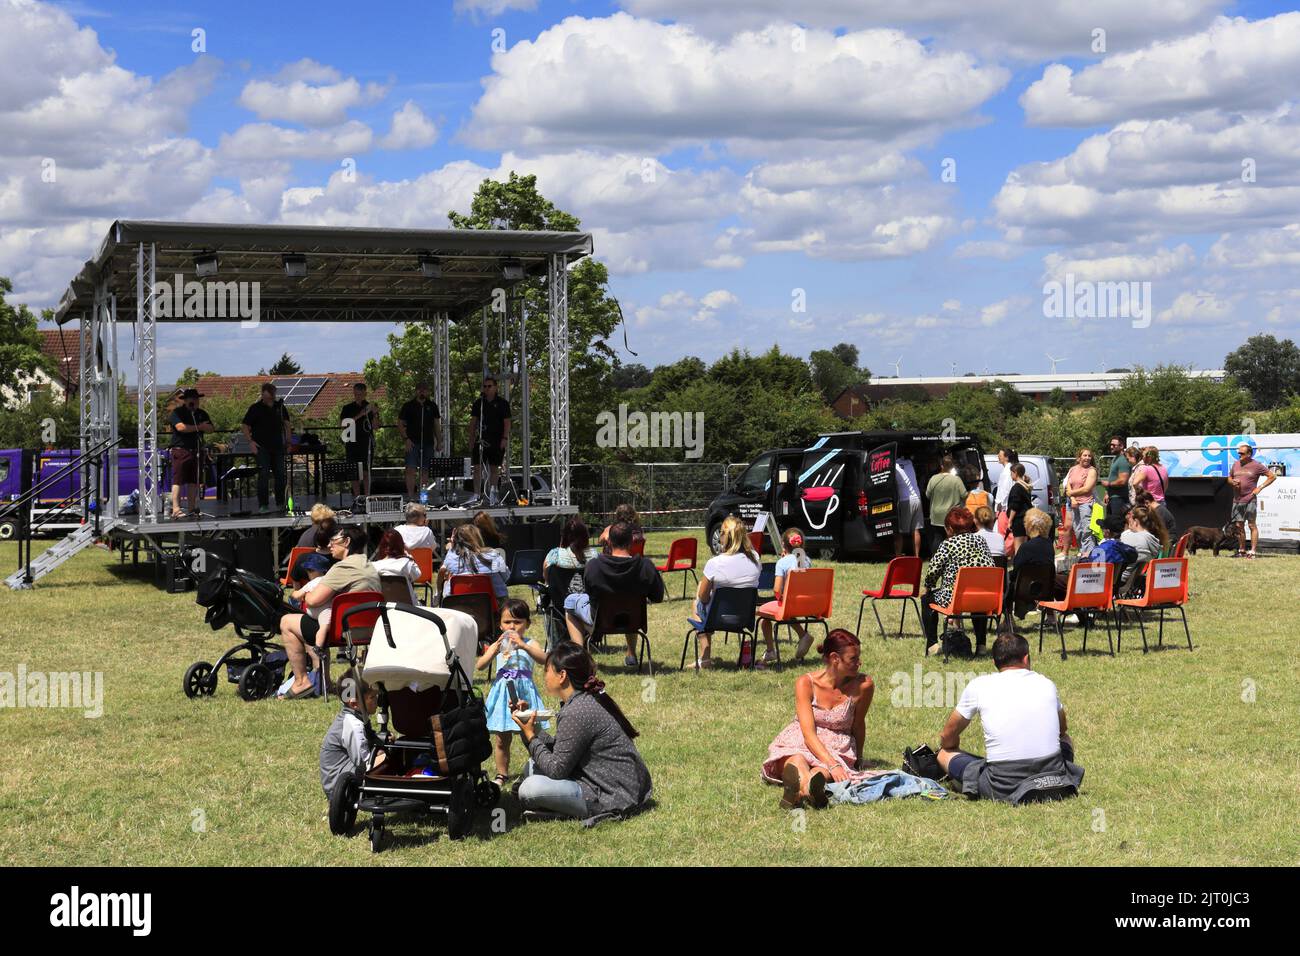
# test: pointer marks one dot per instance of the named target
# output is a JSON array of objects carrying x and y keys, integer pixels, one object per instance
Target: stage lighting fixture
[
  {"x": 512, "y": 268},
  {"x": 295, "y": 266},
  {"x": 205, "y": 264},
  {"x": 431, "y": 266}
]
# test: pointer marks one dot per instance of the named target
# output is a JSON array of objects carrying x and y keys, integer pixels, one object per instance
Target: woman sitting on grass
[
  {"x": 829, "y": 729},
  {"x": 590, "y": 769}
]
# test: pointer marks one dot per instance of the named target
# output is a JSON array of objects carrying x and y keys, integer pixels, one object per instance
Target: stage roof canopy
[{"x": 352, "y": 274}]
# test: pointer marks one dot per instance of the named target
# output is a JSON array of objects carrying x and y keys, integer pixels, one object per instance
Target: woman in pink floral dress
[{"x": 826, "y": 736}]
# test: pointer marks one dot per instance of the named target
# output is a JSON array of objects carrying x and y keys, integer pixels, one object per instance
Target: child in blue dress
[{"x": 515, "y": 654}]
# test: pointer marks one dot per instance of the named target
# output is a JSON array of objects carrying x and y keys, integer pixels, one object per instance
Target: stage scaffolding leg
[
  {"x": 525, "y": 432},
  {"x": 557, "y": 284},
  {"x": 146, "y": 337}
]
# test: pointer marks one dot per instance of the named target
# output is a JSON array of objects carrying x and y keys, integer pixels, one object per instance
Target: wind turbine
[
  {"x": 1053, "y": 360},
  {"x": 954, "y": 369},
  {"x": 896, "y": 364}
]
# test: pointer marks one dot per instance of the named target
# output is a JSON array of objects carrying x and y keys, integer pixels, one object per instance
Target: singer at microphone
[{"x": 266, "y": 429}]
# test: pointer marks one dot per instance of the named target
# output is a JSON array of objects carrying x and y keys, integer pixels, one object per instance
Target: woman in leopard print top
[{"x": 963, "y": 548}]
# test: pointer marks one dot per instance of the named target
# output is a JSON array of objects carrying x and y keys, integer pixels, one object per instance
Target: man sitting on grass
[{"x": 1028, "y": 753}]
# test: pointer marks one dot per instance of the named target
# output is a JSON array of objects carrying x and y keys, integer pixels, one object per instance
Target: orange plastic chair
[
  {"x": 1180, "y": 549},
  {"x": 357, "y": 634},
  {"x": 423, "y": 558},
  {"x": 1164, "y": 592},
  {"x": 681, "y": 557},
  {"x": 806, "y": 598},
  {"x": 294, "y": 555},
  {"x": 902, "y": 583},
  {"x": 977, "y": 592},
  {"x": 1090, "y": 588},
  {"x": 474, "y": 584}
]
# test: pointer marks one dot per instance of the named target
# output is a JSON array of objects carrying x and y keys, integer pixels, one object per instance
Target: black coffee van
[{"x": 840, "y": 491}]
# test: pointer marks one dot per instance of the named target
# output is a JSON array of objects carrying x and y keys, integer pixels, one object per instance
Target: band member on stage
[
  {"x": 266, "y": 429},
  {"x": 360, "y": 453},
  {"x": 490, "y": 420},
  {"x": 421, "y": 430},
  {"x": 188, "y": 423}
]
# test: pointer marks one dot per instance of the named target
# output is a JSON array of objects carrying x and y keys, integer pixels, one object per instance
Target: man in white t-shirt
[
  {"x": 910, "y": 513},
  {"x": 1026, "y": 746},
  {"x": 416, "y": 533}
]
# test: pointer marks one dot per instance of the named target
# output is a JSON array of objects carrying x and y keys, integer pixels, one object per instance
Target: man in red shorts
[{"x": 188, "y": 423}]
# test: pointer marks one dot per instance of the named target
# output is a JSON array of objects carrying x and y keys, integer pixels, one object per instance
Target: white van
[{"x": 1039, "y": 470}]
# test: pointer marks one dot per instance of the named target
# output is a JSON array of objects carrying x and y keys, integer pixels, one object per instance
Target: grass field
[{"x": 1190, "y": 757}]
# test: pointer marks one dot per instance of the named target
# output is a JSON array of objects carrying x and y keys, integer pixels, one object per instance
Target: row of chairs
[{"x": 1091, "y": 590}]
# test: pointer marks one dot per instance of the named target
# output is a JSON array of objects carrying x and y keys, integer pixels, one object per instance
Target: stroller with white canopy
[{"x": 431, "y": 723}]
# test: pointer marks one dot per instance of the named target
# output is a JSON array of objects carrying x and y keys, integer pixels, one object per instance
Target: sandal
[
  {"x": 500, "y": 780},
  {"x": 817, "y": 790}
]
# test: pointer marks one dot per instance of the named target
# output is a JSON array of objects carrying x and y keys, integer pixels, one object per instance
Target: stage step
[{"x": 50, "y": 559}]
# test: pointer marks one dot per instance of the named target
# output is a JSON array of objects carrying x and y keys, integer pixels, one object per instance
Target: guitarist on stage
[{"x": 360, "y": 452}]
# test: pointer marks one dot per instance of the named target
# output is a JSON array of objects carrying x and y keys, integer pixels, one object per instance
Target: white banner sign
[{"x": 1278, "y": 510}]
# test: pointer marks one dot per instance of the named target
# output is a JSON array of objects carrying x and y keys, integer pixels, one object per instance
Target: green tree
[
  {"x": 594, "y": 315},
  {"x": 1167, "y": 401},
  {"x": 624, "y": 377},
  {"x": 1267, "y": 368},
  {"x": 285, "y": 365},
  {"x": 1055, "y": 432},
  {"x": 190, "y": 377},
  {"x": 835, "y": 369},
  {"x": 20, "y": 342}
]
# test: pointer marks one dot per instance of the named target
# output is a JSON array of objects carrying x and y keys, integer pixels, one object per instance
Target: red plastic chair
[
  {"x": 638, "y": 547},
  {"x": 902, "y": 583},
  {"x": 756, "y": 539},
  {"x": 681, "y": 557},
  {"x": 806, "y": 598},
  {"x": 1164, "y": 592},
  {"x": 1090, "y": 588},
  {"x": 294, "y": 555},
  {"x": 474, "y": 584},
  {"x": 977, "y": 592},
  {"x": 357, "y": 634},
  {"x": 423, "y": 558}
]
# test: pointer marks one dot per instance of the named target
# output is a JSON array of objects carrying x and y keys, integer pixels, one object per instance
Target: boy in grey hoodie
[{"x": 349, "y": 745}]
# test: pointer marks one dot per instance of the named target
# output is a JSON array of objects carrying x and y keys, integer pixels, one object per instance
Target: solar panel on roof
[{"x": 299, "y": 391}]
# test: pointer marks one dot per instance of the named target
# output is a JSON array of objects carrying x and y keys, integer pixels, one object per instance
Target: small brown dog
[{"x": 1200, "y": 536}]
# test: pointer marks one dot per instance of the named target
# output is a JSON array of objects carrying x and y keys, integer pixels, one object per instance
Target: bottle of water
[{"x": 424, "y": 496}]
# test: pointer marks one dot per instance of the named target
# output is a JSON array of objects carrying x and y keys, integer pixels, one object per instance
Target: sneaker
[
  {"x": 1250, "y": 554},
  {"x": 704, "y": 665},
  {"x": 264, "y": 509}
]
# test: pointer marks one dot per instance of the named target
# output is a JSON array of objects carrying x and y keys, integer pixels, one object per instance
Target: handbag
[{"x": 922, "y": 762}]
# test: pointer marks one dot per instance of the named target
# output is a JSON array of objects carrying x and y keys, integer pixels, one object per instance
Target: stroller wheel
[
  {"x": 487, "y": 793},
  {"x": 199, "y": 681},
  {"x": 255, "y": 682},
  {"x": 376, "y": 834},
  {"x": 343, "y": 805},
  {"x": 460, "y": 809}
]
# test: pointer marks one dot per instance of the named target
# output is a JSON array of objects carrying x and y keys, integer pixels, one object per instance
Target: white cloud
[
  {"x": 1257, "y": 250},
  {"x": 1160, "y": 264},
  {"x": 620, "y": 82},
  {"x": 1235, "y": 64},
  {"x": 952, "y": 305},
  {"x": 713, "y": 302},
  {"x": 986, "y": 249},
  {"x": 309, "y": 93},
  {"x": 411, "y": 129},
  {"x": 1026, "y": 30},
  {"x": 267, "y": 141},
  {"x": 492, "y": 8},
  {"x": 1199, "y": 307}
]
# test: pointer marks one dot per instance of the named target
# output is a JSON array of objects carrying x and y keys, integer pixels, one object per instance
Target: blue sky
[{"x": 805, "y": 158}]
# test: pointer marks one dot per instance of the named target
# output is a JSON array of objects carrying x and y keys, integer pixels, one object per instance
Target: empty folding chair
[
  {"x": 681, "y": 557},
  {"x": 1166, "y": 590},
  {"x": 1089, "y": 589},
  {"x": 902, "y": 583}
]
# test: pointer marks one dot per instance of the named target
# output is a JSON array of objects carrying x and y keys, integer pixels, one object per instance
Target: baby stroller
[
  {"x": 254, "y": 606},
  {"x": 419, "y": 662}
]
